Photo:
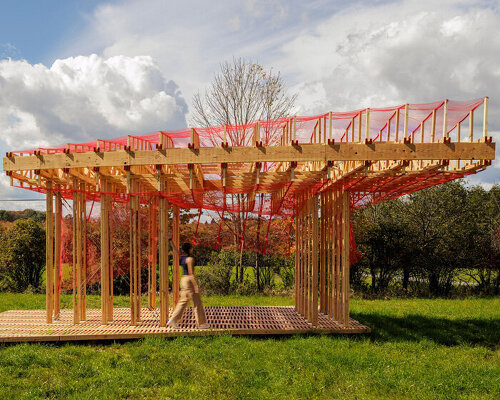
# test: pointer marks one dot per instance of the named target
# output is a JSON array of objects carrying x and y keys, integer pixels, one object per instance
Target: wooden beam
[{"x": 214, "y": 155}]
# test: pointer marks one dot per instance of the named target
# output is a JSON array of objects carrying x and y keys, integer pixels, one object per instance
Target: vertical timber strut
[{"x": 322, "y": 253}]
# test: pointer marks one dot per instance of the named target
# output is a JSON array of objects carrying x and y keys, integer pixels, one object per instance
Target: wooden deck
[{"x": 30, "y": 325}]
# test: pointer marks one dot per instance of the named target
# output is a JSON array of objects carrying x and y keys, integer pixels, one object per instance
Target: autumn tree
[{"x": 242, "y": 92}]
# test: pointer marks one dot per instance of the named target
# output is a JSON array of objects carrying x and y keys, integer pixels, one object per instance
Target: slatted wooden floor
[{"x": 30, "y": 325}]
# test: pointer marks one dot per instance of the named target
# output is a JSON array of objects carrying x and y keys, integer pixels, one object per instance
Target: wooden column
[
  {"x": 83, "y": 250},
  {"x": 152, "y": 251},
  {"x": 49, "y": 253},
  {"x": 175, "y": 264},
  {"x": 307, "y": 261},
  {"x": 76, "y": 277},
  {"x": 315, "y": 261},
  {"x": 337, "y": 214},
  {"x": 345, "y": 257},
  {"x": 104, "y": 254},
  {"x": 135, "y": 256},
  {"x": 109, "y": 220},
  {"x": 163, "y": 250},
  {"x": 57, "y": 255}
]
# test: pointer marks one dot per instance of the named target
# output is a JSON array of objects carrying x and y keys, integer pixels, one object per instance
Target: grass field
[{"x": 419, "y": 349}]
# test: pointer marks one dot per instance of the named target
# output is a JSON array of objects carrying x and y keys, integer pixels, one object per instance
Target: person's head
[{"x": 187, "y": 248}]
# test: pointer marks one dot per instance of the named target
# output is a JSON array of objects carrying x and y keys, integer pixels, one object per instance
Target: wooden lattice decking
[{"x": 31, "y": 325}]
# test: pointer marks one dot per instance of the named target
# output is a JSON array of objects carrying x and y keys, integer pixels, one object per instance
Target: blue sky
[
  {"x": 75, "y": 70},
  {"x": 34, "y": 27}
]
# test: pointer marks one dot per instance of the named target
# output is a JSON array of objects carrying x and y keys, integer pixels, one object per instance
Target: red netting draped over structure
[{"x": 262, "y": 195}]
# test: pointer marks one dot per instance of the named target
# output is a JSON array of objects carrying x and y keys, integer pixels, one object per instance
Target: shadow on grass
[{"x": 448, "y": 332}]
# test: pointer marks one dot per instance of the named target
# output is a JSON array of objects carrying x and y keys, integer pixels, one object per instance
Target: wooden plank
[
  {"x": 76, "y": 307},
  {"x": 345, "y": 257},
  {"x": 164, "y": 235},
  {"x": 485, "y": 117},
  {"x": 57, "y": 254},
  {"x": 109, "y": 220},
  {"x": 104, "y": 254},
  {"x": 314, "y": 272},
  {"x": 49, "y": 253},
  {"x": 175, "y": 263},
  {"x": 83, "y": 246}
]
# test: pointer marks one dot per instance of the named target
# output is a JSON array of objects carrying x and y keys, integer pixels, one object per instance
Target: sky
[{"x": 74, "y": 71}]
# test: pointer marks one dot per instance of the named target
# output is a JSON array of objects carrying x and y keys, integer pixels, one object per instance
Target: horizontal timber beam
[{"x": 299, "y": 153}]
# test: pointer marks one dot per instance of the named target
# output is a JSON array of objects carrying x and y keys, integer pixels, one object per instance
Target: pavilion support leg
[
  {"x": 315, "y": 261},
  {"x": 49, "y": 253},
  {"x": 76, "y": 278},
  {"x": 109, "y": 220},
  {"x": 345, "y": 257},
  {"x": 152, "y": 251},
  {"x": 57, "y": 255},
  {"x": 163, "y": 250},
  {"x": 104, "y": 254},
  {"x": 307, "y": 262},
  {"x": 175, "y": 264},
  {"x": 83, "y": 251},
  {"x": 338, "y": 241},
  {"x": 135, "y": 258}
]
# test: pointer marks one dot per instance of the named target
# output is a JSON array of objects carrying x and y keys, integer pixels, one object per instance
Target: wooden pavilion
[{"x": 314, "y": 169}]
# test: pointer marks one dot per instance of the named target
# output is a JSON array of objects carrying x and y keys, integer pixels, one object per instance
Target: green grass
[{"x": 419, "y": 349}]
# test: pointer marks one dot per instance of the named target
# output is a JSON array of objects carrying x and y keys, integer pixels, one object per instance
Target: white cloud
[
  {"x": 412, "y": 51},
  {"x": 84, "y": 98}
]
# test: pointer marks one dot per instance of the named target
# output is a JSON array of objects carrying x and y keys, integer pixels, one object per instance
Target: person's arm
[
  {"x": 190, "y": 265},
  {"x": 175, "y": 250}
]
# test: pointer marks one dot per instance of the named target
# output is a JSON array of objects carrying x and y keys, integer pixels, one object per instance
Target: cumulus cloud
[
  {"x": 391, "y": 53},
  {"x": 83, "y": 98}
]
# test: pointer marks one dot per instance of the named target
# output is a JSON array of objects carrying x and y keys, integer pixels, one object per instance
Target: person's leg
[
  {"x": 186, "y": 293},
  {"x": 201, "y": 318}
]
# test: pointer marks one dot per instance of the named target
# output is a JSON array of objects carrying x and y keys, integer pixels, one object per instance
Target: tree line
[{"x": 439, "y": 241}]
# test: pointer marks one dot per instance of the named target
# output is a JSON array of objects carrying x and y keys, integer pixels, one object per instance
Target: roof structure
[{"x": 376, "y": 154}]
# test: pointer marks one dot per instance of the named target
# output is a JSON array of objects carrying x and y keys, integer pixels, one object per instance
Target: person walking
[{"x": 189, "y": 290}]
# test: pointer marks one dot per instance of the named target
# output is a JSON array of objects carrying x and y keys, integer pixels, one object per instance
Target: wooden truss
[{"x": 327, "y": 177}]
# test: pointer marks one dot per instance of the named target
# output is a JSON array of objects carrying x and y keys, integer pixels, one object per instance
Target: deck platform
[{"x": 30, "y": 325}]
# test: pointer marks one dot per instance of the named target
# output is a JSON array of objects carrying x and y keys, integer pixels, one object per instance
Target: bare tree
[{"x": 240, "y": 93}]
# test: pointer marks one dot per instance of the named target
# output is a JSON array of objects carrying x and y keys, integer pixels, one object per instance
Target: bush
[
  {"x": 24, "y": 255},
  {"x": 216, "y": 277}
]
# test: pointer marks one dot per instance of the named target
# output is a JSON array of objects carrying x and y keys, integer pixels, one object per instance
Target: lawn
[{"x": 419, "y": 349}]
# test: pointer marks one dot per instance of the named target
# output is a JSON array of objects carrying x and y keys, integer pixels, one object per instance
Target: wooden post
[
  {"x": 359, "y": 127},
  {"x": 164, "y": 236},
  {"x": 433, "y": 126},
  {"x": 367, "y": 124},
  {"x": 83, "y": 251},
  {"x": 175, "y": 264},
  {"x": 109, "y": 221},
  {"x": 345, "y": 257},
  {"x": 314, "y": 272},
  {"x": 57, "y": 255},
  {"x": 405, "y": 134},
  {"x": 445, "y": 119},
  {"x": 471, "y": 126},
  {"x": 396, "y": 127},
  {"x": 485, "y": 118},
  {"x": 49, "y": 253},
  {"x": 104, "y": 254},
  {"x": 76, "y": 304},
  {"x": 338, "y": 242}
]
